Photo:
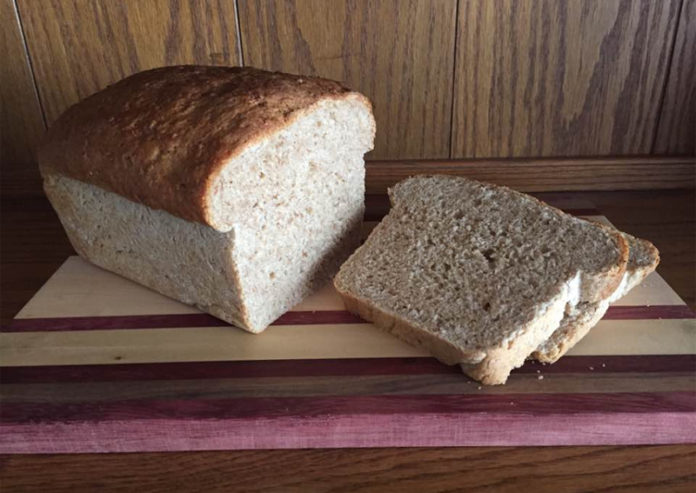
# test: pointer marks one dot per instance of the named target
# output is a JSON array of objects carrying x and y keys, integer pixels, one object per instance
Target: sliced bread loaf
[
  {"x": 643, "y": 259},
  {"x": 232, "y": 189},
  {"x": 479, "y": 275}
]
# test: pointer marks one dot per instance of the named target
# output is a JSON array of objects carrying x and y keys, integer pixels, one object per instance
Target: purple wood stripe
[
  {"x": 309, "y": 407},
  {"x": 400, "y": 430},
  {"x": 170, "y": 321},
  {"x": 653, "y": 312},
  {"x": 328, "y": 367}
]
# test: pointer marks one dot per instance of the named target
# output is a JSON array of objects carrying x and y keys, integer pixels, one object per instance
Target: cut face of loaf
[
  {"x": 577, "y": 322},
  {"x": 286, "y": 210},
  {"x": 479, "y": 275}
]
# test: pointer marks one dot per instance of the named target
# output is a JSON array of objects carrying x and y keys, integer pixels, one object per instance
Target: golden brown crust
[
  {"x": 615, "y": 274},
  {"x": 159, "y": 137}
]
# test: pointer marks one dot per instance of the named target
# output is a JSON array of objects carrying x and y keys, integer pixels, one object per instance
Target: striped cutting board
[{"x": 96, "y": 363}]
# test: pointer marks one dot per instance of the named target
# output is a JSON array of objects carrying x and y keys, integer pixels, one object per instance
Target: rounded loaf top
[{"x": 161, "y": 136}]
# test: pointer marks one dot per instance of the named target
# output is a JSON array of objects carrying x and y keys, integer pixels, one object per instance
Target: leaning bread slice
[
  {"x": 477, "y": 274},
  {"x": 643, "y": 259}
]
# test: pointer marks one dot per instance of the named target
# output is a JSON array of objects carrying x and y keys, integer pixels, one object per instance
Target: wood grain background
[
  {"x": 398, "y": 52},
  {"x": 21, "y": 122},
  {"x": 80, "y": 46},
  {"x": 677, "y": 128},
  {"x": 462, "y": 79},
  {"x": 560, "y": 78}
]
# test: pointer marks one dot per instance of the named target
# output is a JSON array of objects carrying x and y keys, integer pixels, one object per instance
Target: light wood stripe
[
  {"x": 626, "y": 337},
  {"x": 202, "y": 344},
  {"x": 615, "y": 337},
  {"x": 79, "y": 289},
  {"x": 314, "y": 317}
]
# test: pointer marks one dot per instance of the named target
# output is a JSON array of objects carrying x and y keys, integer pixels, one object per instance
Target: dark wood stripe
[
  {"x": 648, "y": 363},
  {"x": 344, "y": 385},
  {"x": 328, "y": 367},
  {"x": 653, "y": 312},
  {"x": 546, "y": 174},
  {"x": 170, "y": 321},
  {"x": 312, "y": 407},
  {"x": 224, "y": 369}
]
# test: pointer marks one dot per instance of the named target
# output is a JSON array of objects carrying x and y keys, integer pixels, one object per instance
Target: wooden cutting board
[{"x": 96, "y": 363}]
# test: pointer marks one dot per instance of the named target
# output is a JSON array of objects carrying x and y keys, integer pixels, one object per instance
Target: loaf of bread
[
  {"x": 235, "y": 190},
  {"x": 479, "y": 275}
]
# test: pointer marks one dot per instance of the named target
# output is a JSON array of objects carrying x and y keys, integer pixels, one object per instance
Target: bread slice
[
  {"x": 477, "y": 274},
  {"x": 643, "y": 259},
  {"x": 235, "y": 190}
]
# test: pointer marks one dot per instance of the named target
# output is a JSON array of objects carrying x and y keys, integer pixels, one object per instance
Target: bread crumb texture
[{"x": 480, "y": 275}]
